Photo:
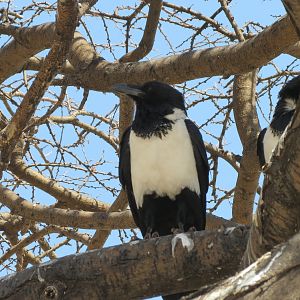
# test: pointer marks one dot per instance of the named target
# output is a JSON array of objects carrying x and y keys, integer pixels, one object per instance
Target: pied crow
[
  {"x": 163, "y": 164},
  {"x": 284, "y": 111}
]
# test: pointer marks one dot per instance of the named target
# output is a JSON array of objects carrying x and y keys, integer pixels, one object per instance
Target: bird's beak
[{"x": 128, "y": 89}]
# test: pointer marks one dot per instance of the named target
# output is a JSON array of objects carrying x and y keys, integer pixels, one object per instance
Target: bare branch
[
  {"x": 65, "y": 217},
  {"x": 74, "y": 120},
  {"x": 27, "y": 42},
  {"x": 65, "y": 26},
  {"x": 147, "y": 41},
  {"x": 233, "y": 59},
  {"x": 230, "y": 157},
  {"x": 73, "y": 199},
  {"x": 26, "y": 241}
]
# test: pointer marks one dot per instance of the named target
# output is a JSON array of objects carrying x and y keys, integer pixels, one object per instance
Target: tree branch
[
  {"x": 106, "y": 273},
  {"x": 26, "y": 43},
  {"x": 245, "y": 115},
  {"x": 65, "y": 217},
  {"x": 80, "y": 219},
  {"x": 76, "y": 122},
  {"x": 233, "y": 59},
  {"x": 231, "y": 158},
  {"x": 67, "y": 13},
  {"x": 274, "y": 276},
  {"x": 293, "y": 9},
  {"x": 277, "y": 215},
  {"x": 147, "y": 41},
  {"x": 65, "y": 196}
]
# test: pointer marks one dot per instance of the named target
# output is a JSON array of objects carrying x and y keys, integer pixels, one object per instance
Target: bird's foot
[
  {"x": 134, "y": 238},
  {"x": 192, "y": 229},
  {"x": 155, "y": 234},
  {"x": 177, "y": 230},
  {"x": 147, "y": 236}
]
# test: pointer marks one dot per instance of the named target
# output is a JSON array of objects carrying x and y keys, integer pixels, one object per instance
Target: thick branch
[
  {"x": 82, "y": 54},
  {"x": 293, "y": 9},
  {"x": 80, "y": 219},
  {"x": 234, "y": 59},
  {"x": 26, "y": 43},
  {"x": 277, "y": 215},
  {"x": 245, "y": 115},
  {"x": 135, "y": 270},
  {"x": 64, "y": 217}
]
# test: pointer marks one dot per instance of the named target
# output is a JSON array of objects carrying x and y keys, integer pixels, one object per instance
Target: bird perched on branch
[
  {"x": 163, "y": 163},
  {"x": 284, "y": 111}
]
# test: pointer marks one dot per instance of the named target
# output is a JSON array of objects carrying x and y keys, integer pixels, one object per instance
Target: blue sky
[{"x": 262, "y": 12}]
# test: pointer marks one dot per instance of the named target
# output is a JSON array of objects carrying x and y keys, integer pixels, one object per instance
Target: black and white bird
[
  {"x": 284, "y": 111},
  {"x": 163, "y": 163}
]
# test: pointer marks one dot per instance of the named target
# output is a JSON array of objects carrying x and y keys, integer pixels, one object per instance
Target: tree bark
[
  {"x": 245, "y": 115},
  {"x": 134, "y": 270},
  {"x": 100, "y": 75},
  {"x": 234, "y": 59},
  {"x": 275, "y": 275},
  {"x": 278, "y": 211}
]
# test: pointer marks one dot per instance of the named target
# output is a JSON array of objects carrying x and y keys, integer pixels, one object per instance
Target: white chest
[
  {"x": 164, "y": 166},
  {"x": 270, "y": 142}
]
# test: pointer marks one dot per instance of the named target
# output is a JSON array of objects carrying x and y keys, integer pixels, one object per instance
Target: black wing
[
  {"x": 125, "y": 174},
  {"x": 201, "y": 160},
  {"x": 260, "y": 147}
]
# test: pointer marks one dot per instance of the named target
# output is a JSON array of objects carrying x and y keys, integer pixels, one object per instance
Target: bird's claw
[
  {"x": 150, "y": 235},
  {"x": 147, "y": 236},
  {"x": 155, "y": 234},
  {"x": 176, "y": 230},
  {"x": 192, "y": 229}
]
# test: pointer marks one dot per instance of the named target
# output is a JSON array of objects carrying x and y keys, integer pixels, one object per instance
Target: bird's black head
[
  {"x": 286, "y": 105},
  {"x": 158, "y": 105},
  {"x": 153, "y": 96},
  {"x": 291, "y": 89}
]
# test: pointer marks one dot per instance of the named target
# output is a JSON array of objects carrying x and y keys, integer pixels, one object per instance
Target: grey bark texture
[{"x": 132, "y": 271}]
